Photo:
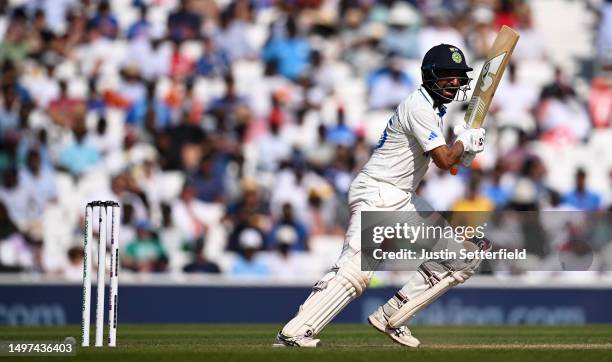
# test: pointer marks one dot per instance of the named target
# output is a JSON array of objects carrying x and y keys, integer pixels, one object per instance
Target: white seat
[
  {"x": 171, "y": 185},
  {"x": 535, "y": 73}
]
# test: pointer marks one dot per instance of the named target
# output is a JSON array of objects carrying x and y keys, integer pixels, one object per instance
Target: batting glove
[{"x": 473, "y": 140}]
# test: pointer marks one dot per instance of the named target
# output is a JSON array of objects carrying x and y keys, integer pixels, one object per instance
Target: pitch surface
[{"x": 252, "y": 343}]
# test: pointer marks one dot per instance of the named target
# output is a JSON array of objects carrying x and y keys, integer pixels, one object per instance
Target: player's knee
[{"x": 351, "y": 275}]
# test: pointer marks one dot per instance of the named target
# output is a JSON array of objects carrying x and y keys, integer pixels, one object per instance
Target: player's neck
[{"x": 437, "y": 102}]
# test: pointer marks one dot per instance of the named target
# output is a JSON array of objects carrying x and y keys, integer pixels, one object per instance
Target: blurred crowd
[{"x": 229, "y": 131}]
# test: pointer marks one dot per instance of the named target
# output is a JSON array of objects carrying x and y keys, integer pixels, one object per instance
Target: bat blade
[
  {"x": 490, "y": 75},
  {"x": 489, "y": 78}
]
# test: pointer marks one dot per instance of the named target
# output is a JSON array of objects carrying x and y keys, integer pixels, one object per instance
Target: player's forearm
[{"x": 445, "y": 157}]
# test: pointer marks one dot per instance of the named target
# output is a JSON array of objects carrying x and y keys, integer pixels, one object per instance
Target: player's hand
[
  {"x": 467, "y": 158},
  {"x": 473, "y": 140}
]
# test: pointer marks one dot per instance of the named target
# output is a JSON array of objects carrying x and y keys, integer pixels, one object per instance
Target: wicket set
[{"x": 105, "y": 209}]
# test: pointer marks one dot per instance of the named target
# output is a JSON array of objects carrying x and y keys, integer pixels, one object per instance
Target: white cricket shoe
[
  {"x": 298, "y": 341},
  {"x": 400, "y": 335}
]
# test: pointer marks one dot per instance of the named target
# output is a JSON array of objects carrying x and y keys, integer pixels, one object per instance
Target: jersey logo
[{"x": 432, "y": 136}]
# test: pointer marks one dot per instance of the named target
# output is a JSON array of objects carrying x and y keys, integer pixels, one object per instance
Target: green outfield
[{"x": 252, "y": 343}]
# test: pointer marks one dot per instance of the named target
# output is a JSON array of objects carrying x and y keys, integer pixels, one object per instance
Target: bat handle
[{"x": 454, "y": 170}]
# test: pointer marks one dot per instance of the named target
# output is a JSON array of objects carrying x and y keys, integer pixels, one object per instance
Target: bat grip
[{"x": 454, "y": 170}]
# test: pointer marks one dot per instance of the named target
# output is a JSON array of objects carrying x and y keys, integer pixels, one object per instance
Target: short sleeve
[{"x": 426, "y": 129}]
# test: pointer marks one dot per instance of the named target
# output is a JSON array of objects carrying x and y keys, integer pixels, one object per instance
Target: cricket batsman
[{"x": 412, "y": 138}]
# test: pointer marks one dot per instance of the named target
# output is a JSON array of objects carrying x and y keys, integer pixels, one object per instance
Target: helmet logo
[{"x": 457, "y": 58}]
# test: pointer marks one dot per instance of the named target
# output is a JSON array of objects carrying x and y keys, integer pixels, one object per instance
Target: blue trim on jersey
[
  {"x": 384, "y": 136},
  {"x": 382, "y": 140}
]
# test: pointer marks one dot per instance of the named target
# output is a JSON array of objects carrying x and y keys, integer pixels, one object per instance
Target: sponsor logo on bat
[{"x": 489, "y": 71}]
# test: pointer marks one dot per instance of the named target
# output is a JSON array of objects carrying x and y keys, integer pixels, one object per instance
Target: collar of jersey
[{"x": 441, "y": 108}]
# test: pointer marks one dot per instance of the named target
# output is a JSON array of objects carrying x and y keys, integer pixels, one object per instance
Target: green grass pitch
[{"x": 341, "y": 342}]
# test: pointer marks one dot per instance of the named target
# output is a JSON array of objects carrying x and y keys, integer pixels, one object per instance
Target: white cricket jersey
[{"x": 401, "y": 156}]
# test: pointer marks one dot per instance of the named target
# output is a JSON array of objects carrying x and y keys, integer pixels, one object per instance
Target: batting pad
[
  {"x": 325, "y": 303},
  {"x": 421, "y": 301}
]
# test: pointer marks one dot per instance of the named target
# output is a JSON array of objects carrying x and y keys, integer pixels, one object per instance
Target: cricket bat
[{"x": 489, "y": 78}]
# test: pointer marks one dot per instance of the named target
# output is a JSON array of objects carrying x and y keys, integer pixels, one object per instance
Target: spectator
[
  {"x": 402, "y": 35},
  {"x": 66, "y": 110},
  {"x": 79, "y": 156},
  {"x": 582, "y": 198},
  {"x": 55, "y": 12},
  {"x": 16, "y": 198},
  {"x": 341, "y": 134},
  {"x": 125, "y": 191},
  {"x": 208, "y": 180},
  {"x": 145, "y": 253},
  {"x": 529, "y": 189},
  {"x": 604, "y": 36},
  {"x": 272, "y": 149},
  {"x": 152, "y": 58},
  {"x": 600, "y": 102},
  {"x": 226, "y": 108},
  {"x": 232, "y": 35},
  {"x": 532, "y": 45},
  {"x": 74, "y": 270},
  {"x": 482, "y": 36},
  {"x": 192, "y": 105},
  {"x": 171, "y": 142},
  {"x": 39, "y": 181},
  {"x": 105, "y": 21},
  {"x": 284, "y": 264},
  {"x": 141, "y": 28},
  {"x": 181, "y": 65},
  {"x": 439, "y": 31},
  {"x": 149, "y": 106},
  {"x": 131, "y": 87},
  {"x": 15, "y": 252},
  {"x": 252, "y": 209},
  {"x": 339, "y": 172},
  {"x": 473, "y": 200},
  {"x": 321, "y": 152},
  {"x": 506, "y": 14},
  {"x": 495, "y": 190},
  {"x": 389, "y": 86},
  {"x": 200, "y": 264},
  {"x": 290, "y": 231},
  {"x": 191, "y": 215},
  {"x": 175, "y": 242},
  {"x": 213, "y": 62},
  {"x": 43, "y": 86},
  {"x": 248, "y": 264},
  {"x": 561, "y": 118},
  {"x": 184, "y": 24},
  {"x": 9, "y": 110},
  {"x": 14, "y": 46},
  {"x": 291, "y": 53}
]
